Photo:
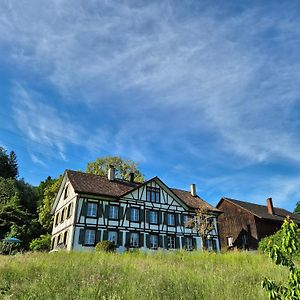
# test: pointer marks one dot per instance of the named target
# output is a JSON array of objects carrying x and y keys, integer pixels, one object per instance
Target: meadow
[{"x": 177, "y": 275}]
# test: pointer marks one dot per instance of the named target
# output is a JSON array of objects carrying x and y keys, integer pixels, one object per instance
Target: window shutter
[
  {"x": 177, "y": 244},
  {"x": 176, "y": 219},
  {"x": 81, "y": 236},
  {"x": 98, "y": 236},
  {"x": 195, "y": 244},
  {"x": 166, "y": 241},
  {"x": 127, "y": 239},
  {"x": 164, "y": 217},
  {"x": 147, "y": 216},
  {"x": 161, "y": 241},
  {"x": 183, "y": 242},
  {"x": 100, "y": 210},
  {"x": 84, "y": 208},
  {"x": 128, "y": 213},
  {"x": 120, "y": 238},
  {"x": 141, "y": 239},
  {"x": 105, "y": 235},
  {"x": 159, "y": 217},
  {"x": 142, "y": 215},
  {"x": 148, "y": 240},
  {"x": 214, "y": 244},
  {"x": 106, "y": 211},
  {"x": 179, "y": 220},
  {"x": 121, "y": 209}
]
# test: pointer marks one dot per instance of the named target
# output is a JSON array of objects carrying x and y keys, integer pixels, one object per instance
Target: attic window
[
  {"x": 153, "y": 194},
  {"x": 66, "y": 194}
]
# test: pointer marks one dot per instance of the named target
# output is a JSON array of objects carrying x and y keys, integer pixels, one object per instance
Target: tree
[
  {"x": 297, "y": 209},
  {"x": 47, "y": 193},
  {"x": 283, "y": 254},
  {"x": 42, "y": 243},
  {"x": 8, "y": 164},
  {"x": 203, "y": 223},
  {"x": 123, "y": 167}
]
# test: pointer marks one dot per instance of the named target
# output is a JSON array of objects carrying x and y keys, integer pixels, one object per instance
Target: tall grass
[{"x": 180, "y": 275}]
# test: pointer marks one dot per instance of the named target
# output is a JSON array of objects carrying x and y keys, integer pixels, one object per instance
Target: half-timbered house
[{"x": 90, "y": 208}]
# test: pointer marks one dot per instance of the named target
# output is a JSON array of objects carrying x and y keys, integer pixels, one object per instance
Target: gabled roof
[
  {"x": 261, "y": 211},
  {"x": 84, "y": 183}
]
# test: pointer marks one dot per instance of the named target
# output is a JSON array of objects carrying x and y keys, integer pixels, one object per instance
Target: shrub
[
  {"x": 9, "y": 248},
  {"x": 41, "y": 244},
  {"x": 105, "y": 246}
]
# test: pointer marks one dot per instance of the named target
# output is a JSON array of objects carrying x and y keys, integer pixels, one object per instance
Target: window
[
  {"x": 188, "y": 243},
  {"x": 113, "y": 237},
  {"x": 209, "y": 244},
  {"x": 113, "y": 212},
  {"x": 186, "y": 219},
  {"x": 69, "y": 213},
  {"x": 134, "y": 214},
  {"x": 153, "y": 217},
  {"x": 57, "y": 219},
  {"x": 66, "y": 194},
  {"x": 53, "y": 243},
  {"x": 91, "y": 209},
  {"x": 153, "y": 241},
  {"x": 153, "y": 194},
  {"x": 89, "y": 237},
  {"x": 229, "y": 241},
  {"x": 65, "y": 238},
  {"x": 62, "y": 216},
  {"x": 171, "y": 242},
  {"x": 171, "y": 219},
  {"x": 134, "y": 240}
]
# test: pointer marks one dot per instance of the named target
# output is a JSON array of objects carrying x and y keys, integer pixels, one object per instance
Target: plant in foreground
[
  {"x": 105, "y": 246},
  {"x": 283, "y": 254}
]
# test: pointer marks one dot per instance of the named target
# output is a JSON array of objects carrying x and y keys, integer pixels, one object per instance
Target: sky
[{"x": 203, "y": 92}]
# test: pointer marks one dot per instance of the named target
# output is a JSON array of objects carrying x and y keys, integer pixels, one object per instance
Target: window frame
[
  {"x": 150, "y": 241},
  {"x": 85, "y": 238},
  {"x": 173, "y": 216},
  {"x": 93, "y": 204},
  {"x": 189, "y": 246},
  {"x": 69, "y": 210},
  {"x": 173, "y": 242},
  {"x": 115, "y": 240},
  {"x": 132, "y": 245},
  {"x": 109, "y": 210},
  {"x": 153, "y": 194},
  {"x": 136, "y": 215},
  {"x": 151, "y": 212}
]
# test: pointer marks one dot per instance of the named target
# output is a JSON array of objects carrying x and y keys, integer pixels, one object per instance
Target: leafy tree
[
  {"x": 123, "y": 167},
  {"x": 8, "y": 164},
  {"x": 47, "y": 193},
  {"x": 284, "y": 254},
  {"x": 42, "y": 243},
  {"x": 297, "y": 209},
  {"x": 203, "y": 223}
]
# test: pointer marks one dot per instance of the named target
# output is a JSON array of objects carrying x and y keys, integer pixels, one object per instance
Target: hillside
[{"x": 180, "y": 275}]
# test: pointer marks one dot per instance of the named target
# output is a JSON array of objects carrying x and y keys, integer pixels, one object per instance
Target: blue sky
[{"x": 203, "y": 92}]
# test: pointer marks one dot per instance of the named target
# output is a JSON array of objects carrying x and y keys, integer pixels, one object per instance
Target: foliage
[
  {"x": 8, "y": 164},
  {"x": 42, "y": 243},
  {"x": 297, "y": 208},
  {"x": 203, "y": 223},
  {"x": 47, "y": 192},
  {"x": 283, "y": 254},
  {"x": 123, "y": 167},
  {"x": 9, "y": 248},
  {"x": 161, "y": 275},
  {"x": 105, "y": 246}
]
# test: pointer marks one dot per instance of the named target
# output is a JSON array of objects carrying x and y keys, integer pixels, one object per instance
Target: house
[
  {"x": 90, "y": 208},
  {"x": 243, "y": 224}
]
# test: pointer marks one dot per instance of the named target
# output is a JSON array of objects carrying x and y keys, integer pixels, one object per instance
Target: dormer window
[{"x": 153, "y": 194}]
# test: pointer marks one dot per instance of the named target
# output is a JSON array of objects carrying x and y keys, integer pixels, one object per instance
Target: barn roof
[
  {"x": 85, "y": 183},
  {"x": 261, "y": 211}
]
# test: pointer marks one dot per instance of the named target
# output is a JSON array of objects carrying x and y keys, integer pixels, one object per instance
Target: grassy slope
[{"x": 135, "y": 276}]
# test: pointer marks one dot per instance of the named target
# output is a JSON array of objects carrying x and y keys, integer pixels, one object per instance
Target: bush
[
  {"x": 41, "y": 244},
  {"x": 105, "y": 246},
  {"x": 9, "y": 248}
]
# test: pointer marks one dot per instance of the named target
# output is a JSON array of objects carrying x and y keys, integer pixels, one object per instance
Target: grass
[{"x": 180, "y": 275}]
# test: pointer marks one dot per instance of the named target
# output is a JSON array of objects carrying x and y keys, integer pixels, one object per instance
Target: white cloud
[{"x": 196, "y": 72}]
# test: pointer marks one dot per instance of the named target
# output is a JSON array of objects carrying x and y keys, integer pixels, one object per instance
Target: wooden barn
[{"x": 243, "y": 224}]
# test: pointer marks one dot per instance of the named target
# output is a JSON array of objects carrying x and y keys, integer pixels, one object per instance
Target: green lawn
[{"x": 180, "y": 275}]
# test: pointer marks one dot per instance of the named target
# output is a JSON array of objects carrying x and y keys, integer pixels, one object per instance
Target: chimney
[
  {"x": 111, "y": 173},
  {"x": 270, "y": 206},
  {"x": 193, "y": 190},
  {"x": 131, "y": 177}
]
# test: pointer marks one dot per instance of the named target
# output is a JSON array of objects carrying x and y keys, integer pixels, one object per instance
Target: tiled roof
[
  {"x": 99, "y": 185},
  {"x": 261, "y": 211},
  {"x": 194, "y": 201}
]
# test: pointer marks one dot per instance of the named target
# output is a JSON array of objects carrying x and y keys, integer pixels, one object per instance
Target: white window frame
[
  {"x": 113, "y": 237},
  {"x": 171, "y": 219},
  {"x": 113, "y": 212},
  {"x": 186, "y": 219},
  {"x": 134, "y": 214},
  {"x": 134, "y": 240},
  {"x": 171, "y": 242},
  {"x": 189, "y": 243},
  {"x": 153, "y": 215},
  {"x": 230, "y": 241},
  {"x": 153, "y": 241},
  {"x": 91, "y": 209},
  {"x": 89, "y": 237}
]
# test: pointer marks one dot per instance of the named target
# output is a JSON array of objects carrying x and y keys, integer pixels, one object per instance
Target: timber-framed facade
[{"x": 150, "y": 215}]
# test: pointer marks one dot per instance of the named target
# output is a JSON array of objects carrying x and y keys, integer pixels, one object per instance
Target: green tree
[
  {"x": 47, "y": 193},
  {"x": 284, "y": 254},
  {"x": 123, "y": 167},
  {"x": 8, "y": 164},
  {"x": 42, "y": 243},
  {"x": 297, "y": 208}
]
